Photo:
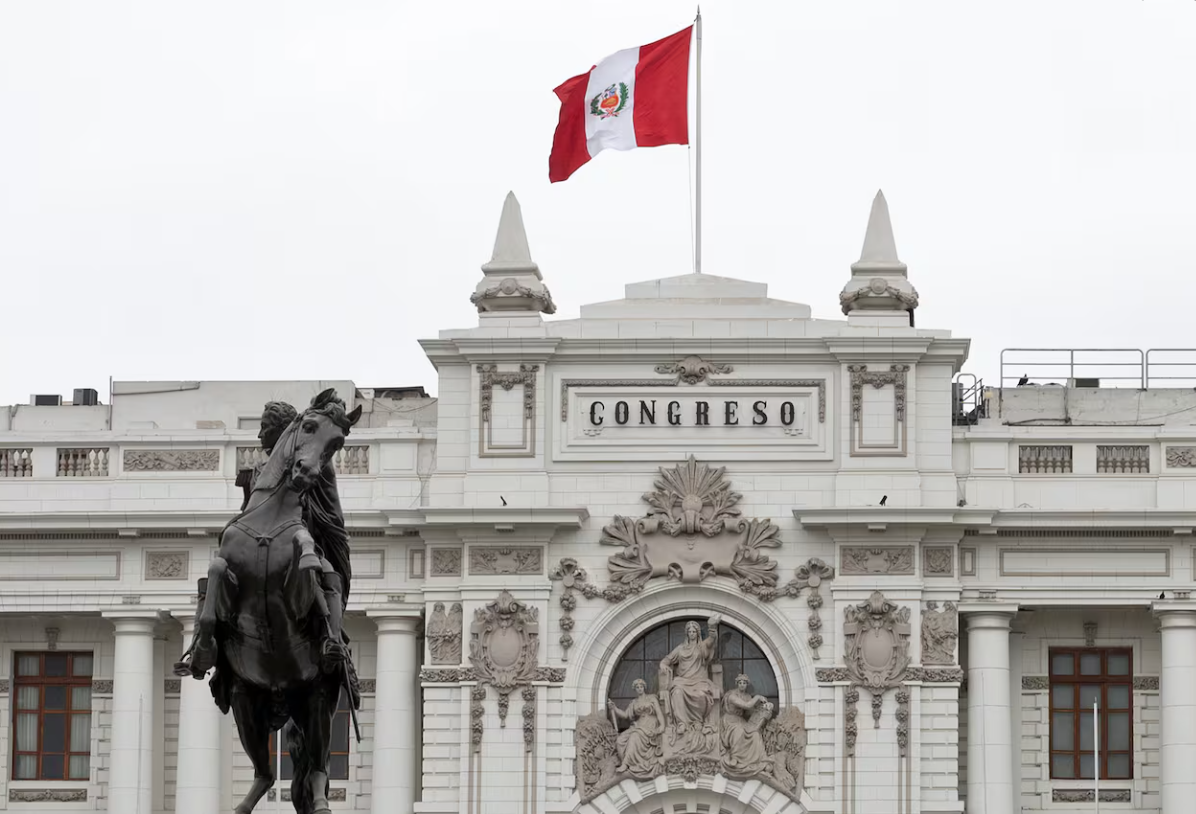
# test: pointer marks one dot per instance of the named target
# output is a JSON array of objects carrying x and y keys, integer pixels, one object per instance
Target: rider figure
[{"x": 276, "y": 417}]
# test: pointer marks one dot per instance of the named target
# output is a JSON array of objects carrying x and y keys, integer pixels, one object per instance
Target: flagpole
[{"x": 698, "y": 152}]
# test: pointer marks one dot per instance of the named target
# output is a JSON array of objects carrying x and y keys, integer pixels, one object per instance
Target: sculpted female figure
[
  {"x": 744, "y": 717},
  {"x": 639, "y": 745},
  {"x": 687, "y": 689}
]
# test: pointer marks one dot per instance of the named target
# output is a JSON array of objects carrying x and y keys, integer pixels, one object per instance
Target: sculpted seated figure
[
  {"x": 688, "y": 693},
  {"x": 744, "y": 716},
  {"x": 639, "y": 745}
]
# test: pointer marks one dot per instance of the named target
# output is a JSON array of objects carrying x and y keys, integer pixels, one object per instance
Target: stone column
[
  {"x": 990, "y": 785},
  {"x": 396, "y": 705},
  {"x": 199, "y": 789},
  {"x": 1177, "y": 705},
  {"x": 1017, "y": 640},
  {"x": 131, "y": 772}
]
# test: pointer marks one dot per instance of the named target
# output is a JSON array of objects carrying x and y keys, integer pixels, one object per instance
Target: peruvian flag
[{"x": 634, "y": 98}]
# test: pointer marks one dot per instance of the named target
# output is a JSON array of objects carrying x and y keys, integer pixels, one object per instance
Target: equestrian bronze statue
[{"x": 270, "y": 611}]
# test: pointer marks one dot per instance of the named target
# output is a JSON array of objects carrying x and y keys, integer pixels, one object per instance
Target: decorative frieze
[
  {"x": 1089, "y": 795},
  {"x": 446, "y": 562},
  {"x": 938, "y": 561},
  {"x": 1181, "y": 457},
  {"x": 1147, "y": 683},
  {"x": 171, "y": 460},
  {"x": 1036, "y": 683},
  {"x": 495, "y": 561},
  {"x": 882, "y": 560},
  {"x": 16, "y": 463},
  {"x": 101, "y": 687},
  {"x": 1036, "y": 459},
  {"x": 461, "y": 675},
  {"x": 47, "y": 795},
  {"x": 444, "y": 634},
  {"x": 167, "y": 564},
  {"x": 335, "y": 795},
  {"x": 172, "y": 686},
  {"x": 82, "y": 462}
]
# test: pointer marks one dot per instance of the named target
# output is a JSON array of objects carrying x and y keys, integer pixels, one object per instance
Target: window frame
[
  {"x": 68, "y": 712},
  {"x": 342, "y": 718},
  {"x": 1104, "y": 680}
]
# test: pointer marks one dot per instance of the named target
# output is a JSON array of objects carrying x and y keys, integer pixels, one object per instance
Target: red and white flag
[{"x": 634, "y": 98}]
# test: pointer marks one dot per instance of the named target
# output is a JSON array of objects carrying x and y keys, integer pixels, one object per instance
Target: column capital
[
  {"x": 1173, "y": 613},
  {"x": 389, "y": 621},
  {"x": 988, "y": 615},
  {"x": 134, "y": 621}
]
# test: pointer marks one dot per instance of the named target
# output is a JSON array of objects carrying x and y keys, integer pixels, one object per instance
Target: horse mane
[{"x": 276, "y": 468}]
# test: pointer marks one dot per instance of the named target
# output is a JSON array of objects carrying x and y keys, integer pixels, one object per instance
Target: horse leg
[
  {"x": 300, "y": 586},
  {"x": 252, "y": 711},
  {"x": 218, "y": 604},
  {"x": 334, "y": 651},
  {"x": 313, "y": 712}
]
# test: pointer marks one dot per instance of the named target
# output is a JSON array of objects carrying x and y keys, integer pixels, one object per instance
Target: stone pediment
[{"x": 693, "y": 532}]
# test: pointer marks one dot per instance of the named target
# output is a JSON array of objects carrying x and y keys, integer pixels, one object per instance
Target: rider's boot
[{"x": 334, "y": 652}]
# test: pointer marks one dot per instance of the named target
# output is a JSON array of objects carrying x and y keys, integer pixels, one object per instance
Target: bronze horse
[{"x": 264, "y": 622}]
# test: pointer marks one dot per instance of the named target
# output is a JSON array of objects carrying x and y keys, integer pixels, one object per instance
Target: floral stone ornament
[
  {"x": 693, "y": 532},
  {"x": 503, "y": 649}
]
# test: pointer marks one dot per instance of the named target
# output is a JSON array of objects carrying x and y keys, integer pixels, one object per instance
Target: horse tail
[{"x": 301, "y": 763}]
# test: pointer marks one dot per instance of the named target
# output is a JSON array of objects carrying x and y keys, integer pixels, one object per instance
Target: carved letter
[
  {"x": 787, "y": 413},
  {"x": 648, "y": 413},
  {"x": 729, "y": 417},
  {"x": 595, "y": 415},
  {"x": 761, "y": 417},
  {"x": 622, "y": 412},
  {"x": 674, "y": 413},
  {"x": 702, "y": 414}
]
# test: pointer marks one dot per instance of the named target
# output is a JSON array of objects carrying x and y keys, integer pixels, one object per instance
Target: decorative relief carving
[
  {"x": 510, "y": 287},
  {"x": 877, "y": 639},
  {"x": 887, "y": 560},
  {"x": 47, "y": 795},
  {"x": 503, "y": 647},
  {"x": 690, "y": 731},
  {"x": 334, "y": 795},
  {"x": 101, "y": 686},
  {"x": 1181, "y": 457},
  {"x": 166, "y": 564},
  {"x": 444, "y": 634},
  {"x": 693, "y": 369},
  {"x": 3, "y": 686},
  {"x": 368, "y": 686},
  {"x": 491, "y": 377},
  {"x": 902, "y": 720},
  {"x": 1149, "y": 683},
  {"x": 171, "y": 460},
  {"x": 52, "y": 638},
  {"x": 571, "y": 576},
  {"x": 949, "y": 675},
  {"x": 879, "y": 287},
  {"x": 940, "y": 631},
  {"x": 693, "y": 532},
  {"x": 851, "y": 712},
  {"x": 1036, "y": 683},
  {"x": 529, "y": 718},
  {"x": 811, "y": 575},
  {"x": 938, "y": 561},
  {"x": 1090, "y": 634},
  {"x": 487, "y": 560},
  {"x": 477, "y": 712},
  {"x": 446, "y": 562},
  {"x": 1089, "y": 795},
  {"x": 860, "y": 376},
  {"x": 172, "y": 686}
]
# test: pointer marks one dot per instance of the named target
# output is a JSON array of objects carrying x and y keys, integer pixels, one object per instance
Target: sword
[{"x": 322, "y": 604}]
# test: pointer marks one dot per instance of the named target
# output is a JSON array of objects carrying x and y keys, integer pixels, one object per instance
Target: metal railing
[{"x": 968, "y": 402}]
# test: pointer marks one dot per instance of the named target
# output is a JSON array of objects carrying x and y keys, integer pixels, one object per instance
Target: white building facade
[{"x": 927, "y": 595}]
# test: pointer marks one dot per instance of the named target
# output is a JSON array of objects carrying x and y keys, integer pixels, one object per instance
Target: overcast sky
[{"x": 276, "y": 190}]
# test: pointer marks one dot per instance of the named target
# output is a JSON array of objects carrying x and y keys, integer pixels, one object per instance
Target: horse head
[{"x": 319, "y": 433}]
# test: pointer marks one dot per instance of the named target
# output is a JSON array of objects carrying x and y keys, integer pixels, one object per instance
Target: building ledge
[
  {"x": 501, "y": 519},
  {"x": 879, "y": 518}
]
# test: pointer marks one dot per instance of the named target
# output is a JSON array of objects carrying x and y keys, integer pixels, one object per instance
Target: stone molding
[
  {"x": 446, "y": 562},
  {"x": 877, "y": 560},
  {"x": 505, "y": 560},
  {"x": 860, "y": 376},
  {"x": 47, "y": 795},
  {"x": 444, "y": 634},
  {"x": 171, "y": 460},
  {"x": 490, "y": 376},
  {"x": 167, "y": 564}
]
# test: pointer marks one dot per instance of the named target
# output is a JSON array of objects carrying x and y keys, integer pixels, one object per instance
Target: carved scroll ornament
[
  {"x": 877, "y": 634},
  {"x": 503, "y": 649}
]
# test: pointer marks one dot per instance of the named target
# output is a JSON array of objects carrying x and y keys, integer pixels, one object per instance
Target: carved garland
[
  {"x": 510, "y": 287},
  {"x": 47, "y": 795},
  {"x": 491, "y": 376},
  {"x": 572, "y": 577},
  {"x": 860, "y": 377}
]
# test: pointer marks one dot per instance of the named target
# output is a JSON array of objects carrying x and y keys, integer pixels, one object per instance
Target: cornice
[
  {"x": 501, "y": 519},
  {"x": 879, "y": 518},
  {"x": 197, "y": 439},
  {"x": 210, "y": 520},
  {"x": 472, "y": 350},
  {"x": 1182, "y": 521}
]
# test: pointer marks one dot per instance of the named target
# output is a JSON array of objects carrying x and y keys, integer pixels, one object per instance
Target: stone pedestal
[
  {"x": 1177, "y": 706},
  {"x": 990, "y": 782},
  {"x": 396, "y": 704},
  {"x": 200, "y": 725},
  {"x": 131, "y": 775}
]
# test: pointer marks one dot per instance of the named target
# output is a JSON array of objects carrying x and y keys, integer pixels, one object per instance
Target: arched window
[{"x": 737, "y": 652}]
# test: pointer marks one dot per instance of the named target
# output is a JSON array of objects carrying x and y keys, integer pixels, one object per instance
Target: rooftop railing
[{"x": 1099, "y": 367}]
